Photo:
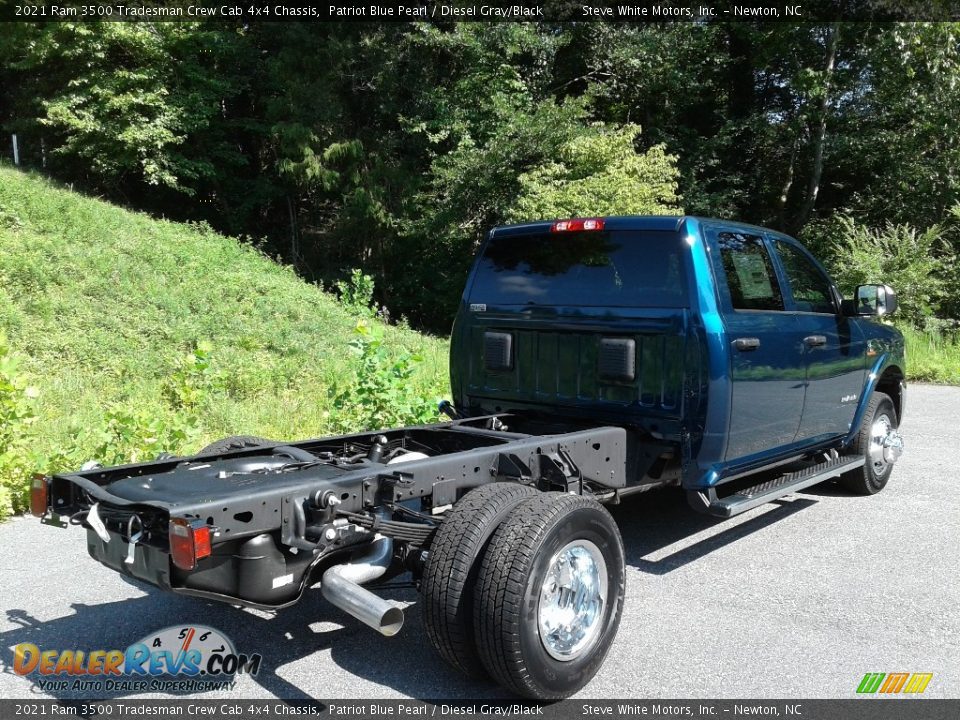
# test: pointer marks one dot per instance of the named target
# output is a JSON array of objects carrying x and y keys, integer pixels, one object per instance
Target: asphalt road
[{"x": 796, "y": 599}]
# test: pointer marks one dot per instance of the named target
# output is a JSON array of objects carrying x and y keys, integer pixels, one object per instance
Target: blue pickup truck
[{"x": 591, "y": 359}]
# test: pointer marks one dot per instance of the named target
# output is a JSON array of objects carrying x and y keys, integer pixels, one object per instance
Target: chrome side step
[{"x": 750, "y": 497}]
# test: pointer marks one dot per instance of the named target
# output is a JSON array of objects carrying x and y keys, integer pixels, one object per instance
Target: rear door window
[{"x": 751, "y": 280}]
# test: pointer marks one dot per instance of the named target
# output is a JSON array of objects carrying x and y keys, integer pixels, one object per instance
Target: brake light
[
  {"x": 189, "y": 542},
  {"x": 39, "y": 495},
  {"x": 577, "y": 224}
]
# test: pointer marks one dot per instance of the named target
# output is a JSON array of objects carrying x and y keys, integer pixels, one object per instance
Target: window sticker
[{"x": 752, "y": 273}]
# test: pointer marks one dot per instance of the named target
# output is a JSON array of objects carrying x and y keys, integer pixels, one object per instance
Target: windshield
[{"x": 626, "y": 268}]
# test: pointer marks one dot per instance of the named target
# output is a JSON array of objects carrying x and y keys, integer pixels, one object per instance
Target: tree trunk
[
  {"x": 294, "y": 242},
  {"x": 820, "y": 134},
  {"x": 740, "y": 74},
  {"x": 787, "y": 184}
]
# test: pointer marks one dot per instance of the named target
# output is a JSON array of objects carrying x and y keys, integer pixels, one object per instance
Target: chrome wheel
[
  {"x": 572, "y": 598},
  {"x": 886, "y": 444}
]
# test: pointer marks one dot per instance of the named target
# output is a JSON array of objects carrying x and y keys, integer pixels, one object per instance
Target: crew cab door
[
  {"x": 833, "y": 346},
  {"x": 767, "y": 371}
]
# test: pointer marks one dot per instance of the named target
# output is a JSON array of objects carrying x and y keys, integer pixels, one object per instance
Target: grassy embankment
[{"x": 101, "y": 305}]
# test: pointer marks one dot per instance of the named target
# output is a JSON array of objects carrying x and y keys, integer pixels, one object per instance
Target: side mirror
[{"x": 871, "y": 301}]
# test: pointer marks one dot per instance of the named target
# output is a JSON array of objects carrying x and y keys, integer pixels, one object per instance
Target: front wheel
[
  {"x": 549, "y": 595},
  {"x": 879, "y": 442}
]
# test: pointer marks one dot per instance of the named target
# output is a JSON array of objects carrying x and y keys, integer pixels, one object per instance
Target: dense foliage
[{"x": 393, "y": 147}]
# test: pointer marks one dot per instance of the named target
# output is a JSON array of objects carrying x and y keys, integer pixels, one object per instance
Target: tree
[
  {"x": 394, "y": 147},
  {"x": 915, "y": 262},
  {"x": 600, "y": 173},
  {"x": 126, "y": 103}
]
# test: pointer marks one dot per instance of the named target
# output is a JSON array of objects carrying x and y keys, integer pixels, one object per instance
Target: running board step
[{"x": 770, "y": 490}]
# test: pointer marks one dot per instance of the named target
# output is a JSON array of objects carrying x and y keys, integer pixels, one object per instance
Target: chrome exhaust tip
[
  {"x": 372, "y": 610},
  {"x": 340, "y": 585},
  {"x": 391, "y": 622}
]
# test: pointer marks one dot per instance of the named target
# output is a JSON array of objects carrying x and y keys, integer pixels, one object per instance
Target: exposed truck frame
[
  {"x": 506, "y": 499},
  {"x": 323, "y": 513}
]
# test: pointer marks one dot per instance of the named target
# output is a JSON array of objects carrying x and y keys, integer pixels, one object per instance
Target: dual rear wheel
[{"x": 526, "y": 588}]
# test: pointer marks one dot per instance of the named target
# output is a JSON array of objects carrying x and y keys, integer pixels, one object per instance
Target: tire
[
  {"x": 237, "y": 442},
  {"x": 513, "y": 635},
  {"x": 452, "y": 567},
  {"x": 872, "y": 476}
]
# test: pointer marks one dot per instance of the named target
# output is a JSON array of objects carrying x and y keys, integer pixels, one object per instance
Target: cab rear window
[{"x": 619, "y": 268}]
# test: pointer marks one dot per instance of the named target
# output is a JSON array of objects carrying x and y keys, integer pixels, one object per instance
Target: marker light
[
  {"x": 39, "y": 495},
  {"x": 189, "y": 542},
  {"x": 577, "y": 224}
]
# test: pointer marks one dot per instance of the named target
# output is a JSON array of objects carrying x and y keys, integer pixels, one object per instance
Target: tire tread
[
  {"x": 455, "y": 555},
  {"x": 503, "y": 574}
]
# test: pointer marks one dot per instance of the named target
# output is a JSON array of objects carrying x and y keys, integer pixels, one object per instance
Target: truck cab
[{"x": 727, "y": 343}]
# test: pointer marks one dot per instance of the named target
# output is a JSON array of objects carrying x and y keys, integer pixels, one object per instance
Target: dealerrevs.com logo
[
  {"x": 188, "y": 658},
  {"x": 894, "y": 683}
]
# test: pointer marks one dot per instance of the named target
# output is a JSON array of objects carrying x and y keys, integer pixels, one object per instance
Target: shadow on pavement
[
  {"x": 660, "y": 518},
  {"x": 827, "y": 489},
  {"x": 405, "y": 663}
]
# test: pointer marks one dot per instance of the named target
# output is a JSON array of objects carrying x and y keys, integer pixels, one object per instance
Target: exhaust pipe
[{"x": 341, "y": 587}]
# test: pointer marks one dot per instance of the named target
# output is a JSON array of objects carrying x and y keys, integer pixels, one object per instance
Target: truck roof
[{"x": 624, "y": 222}]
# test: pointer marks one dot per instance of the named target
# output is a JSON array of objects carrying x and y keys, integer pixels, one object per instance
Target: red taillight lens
[
  {"x": 39, "y": 495},
  {"x": 577, "y": 224},
  {"x": 189, "y": 542},
  {"x": 201, "y": 542}
]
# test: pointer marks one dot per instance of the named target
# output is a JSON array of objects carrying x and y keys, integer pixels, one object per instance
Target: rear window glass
[{"x": 609, "y": 268}]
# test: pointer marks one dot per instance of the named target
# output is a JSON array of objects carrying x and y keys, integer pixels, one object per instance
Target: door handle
[
  {"x": 815, "y": 340},
  {"x": 746, "y": 343}
]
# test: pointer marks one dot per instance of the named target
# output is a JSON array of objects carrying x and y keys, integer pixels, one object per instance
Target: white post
[{"x": 16, "y": 151}]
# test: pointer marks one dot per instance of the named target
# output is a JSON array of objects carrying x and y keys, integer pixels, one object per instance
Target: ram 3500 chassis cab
[{"x": 591, "y": 359}]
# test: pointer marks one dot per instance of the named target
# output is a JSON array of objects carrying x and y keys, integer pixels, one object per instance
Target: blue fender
[{"x": 873, "y": 377}]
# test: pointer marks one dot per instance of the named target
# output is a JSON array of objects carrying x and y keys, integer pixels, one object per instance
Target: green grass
[
  {"x": 100, "y": 303},
  {"x": 932, "y": 357}
]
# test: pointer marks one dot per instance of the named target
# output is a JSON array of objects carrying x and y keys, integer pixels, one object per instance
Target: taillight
[
  {"x": 189, "y": 542},
  {"x": 39, "y": 495},
  {"x": 577, "y": 224}
]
